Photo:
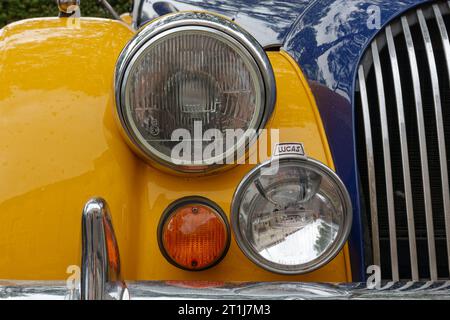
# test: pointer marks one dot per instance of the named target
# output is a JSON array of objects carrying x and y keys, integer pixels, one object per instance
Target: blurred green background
[{"x": 13, "y": 10}]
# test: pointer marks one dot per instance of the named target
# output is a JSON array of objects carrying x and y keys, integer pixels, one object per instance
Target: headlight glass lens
[
  {"x": 293, "y": 221},
  {"x": 194, "y": 84}
]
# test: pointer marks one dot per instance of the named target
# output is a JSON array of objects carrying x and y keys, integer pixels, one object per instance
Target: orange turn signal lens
[{"x": 194, "y": 234}]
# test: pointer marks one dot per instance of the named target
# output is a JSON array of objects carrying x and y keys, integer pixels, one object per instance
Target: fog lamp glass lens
[
  {"x": 293, "y": 221},
  {"x": 187, "y": 82},
  {"x": 194, "y": 236}
]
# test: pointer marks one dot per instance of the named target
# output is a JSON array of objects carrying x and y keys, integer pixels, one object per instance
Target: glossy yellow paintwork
[{"x": 60, "y": 145}]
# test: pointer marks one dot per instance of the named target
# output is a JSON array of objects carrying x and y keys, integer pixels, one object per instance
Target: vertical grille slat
[
  {"x": 443, "y": 156},
  {"x": 420, "y": 119},
  {"x": 370, "y": 167},
  {"x": 387, "y": 160},
  {"x": 402, "y": 111},
  {"x": 444, "y": 35},
  {"x": 404, "y": 152},
  {"x": 422, "y": 133},
  {"x": 439, "y": 121}
]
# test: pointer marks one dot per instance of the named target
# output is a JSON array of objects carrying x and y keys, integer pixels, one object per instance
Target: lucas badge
[{"x": 289, "y": 149}]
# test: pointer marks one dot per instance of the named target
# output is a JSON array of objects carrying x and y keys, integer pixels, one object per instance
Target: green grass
[{"x": 14, "y": 10}]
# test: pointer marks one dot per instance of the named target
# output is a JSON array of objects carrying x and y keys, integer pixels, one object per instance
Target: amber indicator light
[{"x": 194, "y": 235}]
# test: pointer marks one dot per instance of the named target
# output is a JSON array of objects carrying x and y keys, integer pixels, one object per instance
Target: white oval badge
[{"x": 289, "y": 148}]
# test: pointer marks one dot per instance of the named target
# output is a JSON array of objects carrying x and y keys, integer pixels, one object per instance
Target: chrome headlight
[
  {"x": 186, "y": 77},
  {"x": 294, "y": 221}
]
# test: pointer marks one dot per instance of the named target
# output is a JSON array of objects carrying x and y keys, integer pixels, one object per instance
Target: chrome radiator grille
[{"x": 403, "y": 134}]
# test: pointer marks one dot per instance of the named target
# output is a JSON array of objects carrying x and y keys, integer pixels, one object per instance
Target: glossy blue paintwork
[
  {"x": 327, "y": 38},
  {"x": 269, "y": 21}
]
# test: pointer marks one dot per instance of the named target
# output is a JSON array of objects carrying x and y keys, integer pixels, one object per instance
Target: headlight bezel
[
  {"x": 329, "y": 254},
  {"x": 191, "y": 20}
]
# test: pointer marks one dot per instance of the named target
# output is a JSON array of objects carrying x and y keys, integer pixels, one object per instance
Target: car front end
[{"x": 231, "y": 150}]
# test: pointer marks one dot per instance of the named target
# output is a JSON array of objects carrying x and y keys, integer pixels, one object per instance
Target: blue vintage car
[{"x": 229, "y": 148}]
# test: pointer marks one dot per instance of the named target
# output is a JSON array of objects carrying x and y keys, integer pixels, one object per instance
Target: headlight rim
[
  {"x": 172, "y": 22},
  {"x": 130, "y": 126},
  {"x": 328, "y": 255}
]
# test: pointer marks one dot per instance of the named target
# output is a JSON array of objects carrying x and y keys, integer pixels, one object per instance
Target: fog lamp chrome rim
[
  {"x": 330, "y": 253},
  {"x": 214, "y": 26}
]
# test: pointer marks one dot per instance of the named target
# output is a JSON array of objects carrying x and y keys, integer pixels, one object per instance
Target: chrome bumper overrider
[
  {"x": 100, "y": 260},
  {"x": 158, "y": 290}
]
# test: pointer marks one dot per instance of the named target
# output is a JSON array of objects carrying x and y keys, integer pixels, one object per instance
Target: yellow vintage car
[{"x": 226, "y": 149}]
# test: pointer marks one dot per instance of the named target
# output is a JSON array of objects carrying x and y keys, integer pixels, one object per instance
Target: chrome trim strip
[
  {"x": 421, "y": 134},
  {"x": 404, "y": 151},
  {"x": 387, "y": 160},
  {"x": 441, "y": 134},
  {"x": 439, "y": 123},
  {"x": 173, "y": 290},
  {"x": 100, "y": 262},
  {"x": 370, "y": 167},
  {"x": 290, "y": 290}
]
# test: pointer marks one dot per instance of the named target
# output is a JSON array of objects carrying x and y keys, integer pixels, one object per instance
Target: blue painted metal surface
[
  {"x": 327, "y": 38},
  {"x": 269, "y": 21}
]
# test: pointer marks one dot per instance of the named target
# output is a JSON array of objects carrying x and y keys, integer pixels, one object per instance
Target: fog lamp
[{"x": 292, "y": 221}]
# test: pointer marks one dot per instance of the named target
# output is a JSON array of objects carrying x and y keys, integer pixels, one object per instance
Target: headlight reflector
[
  {"x": 192, "y": 72},
  {"x": 294, "y": 221}
]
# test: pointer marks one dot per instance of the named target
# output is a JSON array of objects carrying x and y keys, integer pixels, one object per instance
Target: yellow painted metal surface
[{"x": 60, "y": 145}]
